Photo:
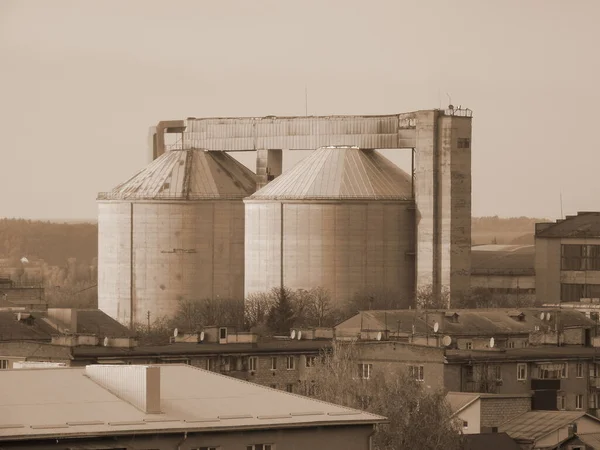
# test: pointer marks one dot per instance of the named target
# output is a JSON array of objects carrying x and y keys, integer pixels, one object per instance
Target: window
[
  {"x": 579, "y": 370},
  {"x": 3, "y": 364},
  {"x": 274, "y": 363},
  {"x": 465, "y": 424},
  {"x": 364, "y": 371},
  {"x": 261, "y": 447},
  {"x": 223, "y": 333},
  {"x": 580, "y": 257},
  {"x": 497, "y": 373},
  {"x": 311, "y": 361},
  {"x": 464, "y": 143},
  {"x": 553, "y": 371},
  {"x": 511, "y": 344},
  {"x": 579, "y": 401},
  {"x": 521, "y": 372},
  {"x": 289, "y": 387},
  {"x": 207, "y": 448},
  {"x": 211, "y": 364},
  {"x": 225, "y": 364},
  {"x": 593, "y": 400},
  {"x": 469, "y": 373},
  {"x": 572, "y": 257},
  {"x": 253, "y": 363},
  {"x": 290, "y": 362},
  {"x": 416, "y": 372},
  {"x": 560, "y": 402},
  {"x": 469, "y": 345},
  {"x": 273, "y": 386}
]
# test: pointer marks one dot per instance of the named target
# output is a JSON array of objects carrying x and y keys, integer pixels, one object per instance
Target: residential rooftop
[
  {"x": 542, "y": 353},
  {"x": 534, "y": 425},
  {"x": 460, "y": 322},
  {"x": 87, "y": 402}
]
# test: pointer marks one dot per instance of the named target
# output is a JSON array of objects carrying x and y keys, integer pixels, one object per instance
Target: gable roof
[
  {"x": 340, "y": 172},
  {"x": 534, "y": 425},
  {"x": 12, "y": 329},
  {"x": 458, "y": 401},
  {"x": 584, "y": 224},
  {"x": 489, "y": 441},
  {"x": 192, "y": 399}
]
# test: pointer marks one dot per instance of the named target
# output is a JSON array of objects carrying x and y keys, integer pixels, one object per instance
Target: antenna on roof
[
  {"x": 378, "y": 337},
  {"x": 561, "y": 207},
  {"x": 492, "y": 342},
  {"x": 201, "y": 336},
  {"x": 446, "y": 340},
  {"x": 293, "y": 334},
  {"x": 175, "y": 332},
  {"x": 436, "y": 327},
  {"x": 105, "y": 341},
  {"x": 542, "y": 316},
  {"x": 299, "y": 334}
]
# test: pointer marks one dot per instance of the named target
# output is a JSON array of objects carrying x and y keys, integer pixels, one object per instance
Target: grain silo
[
  {"x": 173, "y": 231},
  {"x": 343, "y": 219}
]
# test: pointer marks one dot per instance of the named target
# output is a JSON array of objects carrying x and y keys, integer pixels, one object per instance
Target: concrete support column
[{"x": 269, "y": 165}]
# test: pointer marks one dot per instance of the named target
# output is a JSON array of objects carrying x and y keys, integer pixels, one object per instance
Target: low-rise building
[
  {"x": 167, "y": 407},
  {"x": 484, "y": 413},
  {"x": 507, "y": 272}
]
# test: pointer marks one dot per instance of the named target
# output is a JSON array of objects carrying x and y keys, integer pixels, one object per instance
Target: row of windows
[
  {"x": 415, "y": 372},
  {"x": 561, "y": 402},
  {"x": 228, "y": 363},
  {"x": 580, "y": 257},
  {"x": 4, "y": 364},
  {"x": 554, "y": 371},
  {"x": 573, "y": 292}
]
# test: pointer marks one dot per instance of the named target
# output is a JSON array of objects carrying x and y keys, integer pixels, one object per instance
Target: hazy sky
[{"x": 81, "y": 82}]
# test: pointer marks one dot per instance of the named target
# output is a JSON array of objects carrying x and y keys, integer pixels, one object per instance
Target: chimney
[{"x": 137, "y": 385}]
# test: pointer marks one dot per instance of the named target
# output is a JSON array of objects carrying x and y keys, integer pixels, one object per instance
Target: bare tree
[
  {"x": 192, "y": 315},
  {"x": 322, "y": 311},
  {"x": 418, "y": 418},
  {"x": 427, "y": 298},
  {"x": 282, "y": 315},
  {"x": 257, "y": 308},
  {"x": 375, "y": 298}
]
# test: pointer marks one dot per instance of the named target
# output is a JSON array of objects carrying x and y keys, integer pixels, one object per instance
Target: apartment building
[{"x": 167, "y": 407}]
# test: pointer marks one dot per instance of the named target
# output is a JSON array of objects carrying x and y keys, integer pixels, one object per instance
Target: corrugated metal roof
[
  {"x": 536, "y": 424},
  {"x": 489, "y": 441},
  {"x": 192, "y": 399},
  {"x": 340, "y": 173},
  {"x": 187, "y": 175},
  {"x": 503, "y": 259}
]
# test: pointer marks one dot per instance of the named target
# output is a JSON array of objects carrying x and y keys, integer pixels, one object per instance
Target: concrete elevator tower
[{"x": 433, "y": 242}]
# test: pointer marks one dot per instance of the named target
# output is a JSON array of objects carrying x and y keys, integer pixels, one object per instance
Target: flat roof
[{"x": 48, "y": 403}]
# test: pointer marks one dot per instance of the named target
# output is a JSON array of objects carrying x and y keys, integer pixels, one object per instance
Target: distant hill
[{"x": 52, "y": 242}]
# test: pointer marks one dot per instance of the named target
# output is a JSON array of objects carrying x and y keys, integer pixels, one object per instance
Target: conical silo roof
[
  {"x": 338, "y": 173},
  {"x": 188, "y": 175}
]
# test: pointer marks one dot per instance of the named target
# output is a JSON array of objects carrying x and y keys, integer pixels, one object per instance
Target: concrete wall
[
  {"x": 472, "y": 415},
  {"x": 186, "y": 250},
  {"x": 345, "y": 247},
  {"x": 314, "y": 438},
  {"x": 443, "y": 201},
  {"x": 490, "y": 281},
  {"x": 388, "y": 357},
  {"x": 547, "y": 270}
]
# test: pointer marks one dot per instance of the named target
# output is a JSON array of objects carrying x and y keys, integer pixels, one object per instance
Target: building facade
[{"x": 567, "y": 259}]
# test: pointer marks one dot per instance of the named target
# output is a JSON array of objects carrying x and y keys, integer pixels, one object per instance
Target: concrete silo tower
[
  {"x": 173, "y": 231},
  {"x": 342, "y": 219}
]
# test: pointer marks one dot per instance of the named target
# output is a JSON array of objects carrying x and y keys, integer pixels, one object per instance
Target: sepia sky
[{"x": 81, "y": 82}]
